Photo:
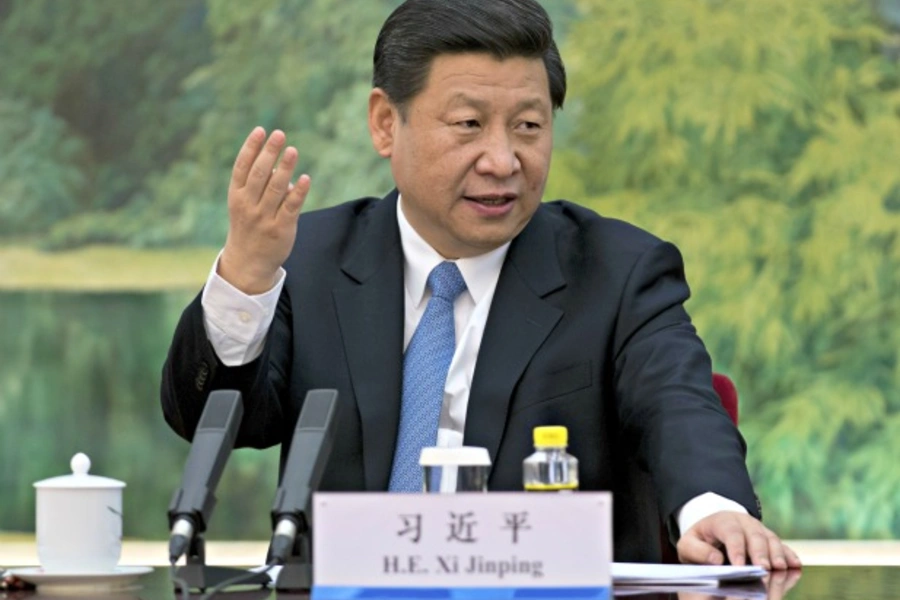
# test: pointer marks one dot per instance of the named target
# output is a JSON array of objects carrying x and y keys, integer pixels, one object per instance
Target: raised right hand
[{"x": 263, "y": 206}]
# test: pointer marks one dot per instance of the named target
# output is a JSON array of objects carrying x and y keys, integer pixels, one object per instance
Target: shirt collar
[{"x": 419, "y": 258}]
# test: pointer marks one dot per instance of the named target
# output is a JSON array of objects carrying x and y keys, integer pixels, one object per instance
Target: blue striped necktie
[{"x": 425, "y": 367}]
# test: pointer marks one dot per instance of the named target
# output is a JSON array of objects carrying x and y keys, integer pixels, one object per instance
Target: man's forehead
[{"x": 459, "y": 77}]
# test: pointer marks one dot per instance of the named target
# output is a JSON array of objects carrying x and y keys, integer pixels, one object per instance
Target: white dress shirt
[{"x": 237, "y": 324}]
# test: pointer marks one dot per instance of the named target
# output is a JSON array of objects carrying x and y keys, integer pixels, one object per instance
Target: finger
[
  {"x": 776, "y": 552},
  {"x": 246, "y": 155},
  {"x": 693, "y": 550},
  {"x": 279, "y": 182},
  {"x": 735, "y": 544},
  {"x": 293, "y": 203},
  {"x": 793, "y": 561},
  {"x": 758, "y": 544},
  {"x": 261, "y": 171}
]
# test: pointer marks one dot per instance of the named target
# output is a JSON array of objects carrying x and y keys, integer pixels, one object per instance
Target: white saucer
[{"x": 122, "y": 577}]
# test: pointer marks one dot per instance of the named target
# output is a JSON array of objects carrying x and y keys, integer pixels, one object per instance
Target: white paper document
[{"x": 640, "y": 574}]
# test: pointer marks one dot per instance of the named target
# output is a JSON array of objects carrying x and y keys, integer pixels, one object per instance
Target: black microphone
[
  {"x": 310, "y": 448},
  {"x": 193, "y": 502}
]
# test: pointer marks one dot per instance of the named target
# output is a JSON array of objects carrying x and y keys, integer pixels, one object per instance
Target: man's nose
[{"x": 498, "y": 156}]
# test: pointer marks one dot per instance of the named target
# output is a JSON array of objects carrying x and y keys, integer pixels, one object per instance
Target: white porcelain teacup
[{"x": 79, "y": 521}]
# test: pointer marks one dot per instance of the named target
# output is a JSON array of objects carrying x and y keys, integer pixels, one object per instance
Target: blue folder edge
[{"x": 462, "y": 593}]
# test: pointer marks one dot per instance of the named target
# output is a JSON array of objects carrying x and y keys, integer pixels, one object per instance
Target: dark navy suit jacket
[{"x": 587, "y": 329}]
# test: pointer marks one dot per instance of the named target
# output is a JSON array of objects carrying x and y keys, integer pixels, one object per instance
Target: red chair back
[{"x": 728, "y": 395}]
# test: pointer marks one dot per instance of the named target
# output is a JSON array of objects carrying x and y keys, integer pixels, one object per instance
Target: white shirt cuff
[
  {"x": 237, "y": 324},
  {"x": 702, "y": 506}
]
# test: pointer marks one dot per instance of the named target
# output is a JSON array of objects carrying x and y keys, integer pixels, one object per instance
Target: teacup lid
[{"x": 79, "y": 478}]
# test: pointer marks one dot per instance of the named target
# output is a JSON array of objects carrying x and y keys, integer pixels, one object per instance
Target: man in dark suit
[{"x": 566, "y": 318}]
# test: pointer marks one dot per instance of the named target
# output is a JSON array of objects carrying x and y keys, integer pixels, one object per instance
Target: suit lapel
[
  {"x": 370, "y": 313},
  {"x": 518, "y": 323}
]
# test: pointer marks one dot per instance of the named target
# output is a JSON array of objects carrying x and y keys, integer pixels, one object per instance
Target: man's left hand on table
[{"x": 742, "y": 538}]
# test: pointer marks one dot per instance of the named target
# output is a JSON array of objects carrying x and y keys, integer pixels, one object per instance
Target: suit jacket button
[{"x": 202, "y": 375}]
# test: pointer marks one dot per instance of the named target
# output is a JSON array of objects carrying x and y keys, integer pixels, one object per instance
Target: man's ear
[{"x": 383, "y": 118}]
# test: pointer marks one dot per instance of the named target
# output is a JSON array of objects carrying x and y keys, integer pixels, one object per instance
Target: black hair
[{"x": 420, "y": 30}]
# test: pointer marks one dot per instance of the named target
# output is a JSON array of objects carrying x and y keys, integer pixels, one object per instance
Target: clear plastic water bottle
[{"x": 550, "y": 468}]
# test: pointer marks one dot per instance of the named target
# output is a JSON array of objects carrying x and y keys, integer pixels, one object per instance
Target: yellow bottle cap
[{"x": 552, "y": 435}]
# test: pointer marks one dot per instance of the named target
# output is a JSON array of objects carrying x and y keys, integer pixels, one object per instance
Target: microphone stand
[
  {"x": 196, "y": 574},
  {"x": 296, "y": 574},
  {"x": 292, "y": 511},
  {"x": 193, "y": 502}
]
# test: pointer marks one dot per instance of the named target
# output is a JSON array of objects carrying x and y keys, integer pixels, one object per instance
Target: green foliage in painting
[
  {"x": 91, "y": 106},
  {"x": 42, "y": 181},
  {"x": 761, "y": 137}
]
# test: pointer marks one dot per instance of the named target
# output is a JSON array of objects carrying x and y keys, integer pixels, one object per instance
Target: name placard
[{"x": 369, "y": 542}]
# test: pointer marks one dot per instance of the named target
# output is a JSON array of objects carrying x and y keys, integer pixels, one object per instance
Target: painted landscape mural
[{"x": 763, "y": 138}]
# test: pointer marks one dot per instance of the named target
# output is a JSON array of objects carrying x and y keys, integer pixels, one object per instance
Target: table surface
[{"x": 824, "y": 582}]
